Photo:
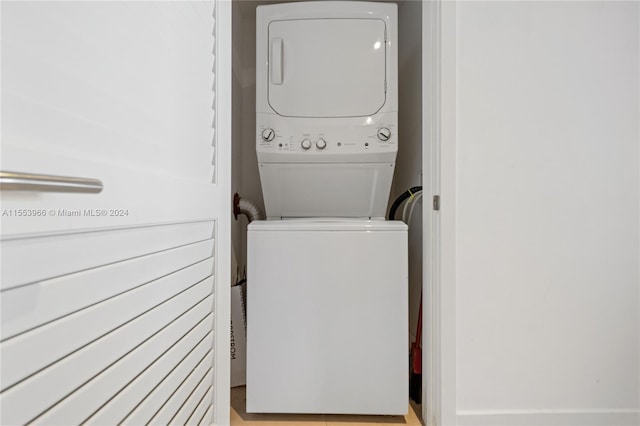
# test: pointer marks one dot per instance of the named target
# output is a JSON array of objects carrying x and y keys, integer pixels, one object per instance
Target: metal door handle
[{"x": 14, "y": 181}]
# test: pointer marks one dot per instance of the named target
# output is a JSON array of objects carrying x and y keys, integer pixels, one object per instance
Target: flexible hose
[
  {"x": 407, "y": 211},
  {"x": 408, "y": 193},
  {"x": 247, "y": 208},
  {"x": 250, "y": 210}
]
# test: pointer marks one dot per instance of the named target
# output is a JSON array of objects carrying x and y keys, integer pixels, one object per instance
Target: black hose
[{"x": 406, "y": 194}]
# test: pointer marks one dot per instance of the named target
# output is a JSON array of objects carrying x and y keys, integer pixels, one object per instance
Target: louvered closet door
[{"x": 108, "y": 298}]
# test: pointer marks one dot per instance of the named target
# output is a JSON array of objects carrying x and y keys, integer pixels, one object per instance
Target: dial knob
[
  {"x": 321, "y": 144},
  {"x": 384, "y": 134},
  {"x": 268, "y": 135},
  {"x": 306, "y": 144}
]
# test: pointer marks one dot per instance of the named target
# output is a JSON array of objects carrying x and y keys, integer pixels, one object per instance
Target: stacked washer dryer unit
[{"x": 327, "y": 303}]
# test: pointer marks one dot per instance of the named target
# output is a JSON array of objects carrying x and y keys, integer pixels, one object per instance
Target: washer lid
[{"x": 327, "y": 67}]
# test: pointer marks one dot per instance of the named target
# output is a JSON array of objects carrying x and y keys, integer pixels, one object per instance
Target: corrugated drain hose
[{"x": 247, "y": 208}]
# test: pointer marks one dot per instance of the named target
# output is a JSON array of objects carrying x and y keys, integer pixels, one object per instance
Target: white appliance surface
[
  {"x": 293, "y": 186},
  {"x": 326, "y": 93},
  {"x": 327, "y": 317},
  {"x": 327, "y": 67}
]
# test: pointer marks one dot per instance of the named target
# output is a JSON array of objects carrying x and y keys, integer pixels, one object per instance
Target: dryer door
[{"x": 327, "y": 67}]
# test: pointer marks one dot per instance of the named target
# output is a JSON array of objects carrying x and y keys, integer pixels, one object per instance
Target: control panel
[{"x": 307, "y": 141}]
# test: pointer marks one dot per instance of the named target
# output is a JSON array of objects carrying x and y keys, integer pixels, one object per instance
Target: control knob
[
  {"x": 306, "y": 144},
  {"x": 384, "y": 134},
  {"x": 268, "y": 134},
  {"x": 321, "y": 144}
]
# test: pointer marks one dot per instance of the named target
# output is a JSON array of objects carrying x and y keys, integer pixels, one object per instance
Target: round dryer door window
[{"x": 327, "y": 67}]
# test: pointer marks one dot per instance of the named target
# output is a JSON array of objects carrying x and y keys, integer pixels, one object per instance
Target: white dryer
[{"x": 326, "y": 107}]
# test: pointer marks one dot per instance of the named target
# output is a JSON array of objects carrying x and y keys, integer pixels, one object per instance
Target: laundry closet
[
  {"x": 526, "y": 115},
  {"x": 331, "y": 190},
  {"x": 127, "y": 128}
]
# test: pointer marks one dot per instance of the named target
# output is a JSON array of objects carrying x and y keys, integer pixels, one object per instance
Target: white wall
[
  {"x": 541, "y": 208},
  {"x": 236, "y": 119},
  {"x": 409, "y": 160},
  {"x": 245, "y": 163}
]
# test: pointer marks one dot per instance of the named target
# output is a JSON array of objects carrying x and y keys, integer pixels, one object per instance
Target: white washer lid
[{"x": 320, "y": 224}]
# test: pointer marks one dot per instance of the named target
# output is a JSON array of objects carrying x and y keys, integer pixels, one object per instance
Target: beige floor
[{"x": 240, "y": 417}]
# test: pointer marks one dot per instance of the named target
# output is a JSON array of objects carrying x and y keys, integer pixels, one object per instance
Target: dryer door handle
[{"x": 275, "y": 61}]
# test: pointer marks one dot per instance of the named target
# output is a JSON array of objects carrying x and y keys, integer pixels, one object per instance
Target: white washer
[{"x": 327, "y": 317}]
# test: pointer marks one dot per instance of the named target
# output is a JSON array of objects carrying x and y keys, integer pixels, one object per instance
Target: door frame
[
  {"x": 438, "y": 151},
  {"x": 222, "y": 68},
  {"x": 431, "y": 218}
]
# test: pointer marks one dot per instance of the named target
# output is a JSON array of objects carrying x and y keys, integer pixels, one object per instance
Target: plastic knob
[
  {"x": 321, "y": 144},
  {"x": 384, "y": 134},
  {"x": 268, "y": 135},
  {"x": 306, "y": 144}
]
